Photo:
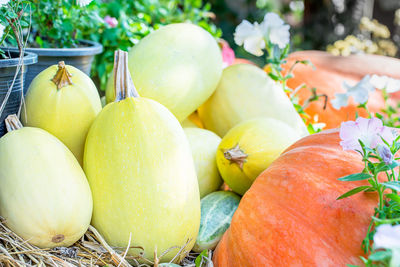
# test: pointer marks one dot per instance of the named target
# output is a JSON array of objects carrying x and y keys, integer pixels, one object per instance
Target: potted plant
[
  {"x": 56, "y": 35},
  {"x": 13, "y": 63},
  {"x": 125, "y": 22}
]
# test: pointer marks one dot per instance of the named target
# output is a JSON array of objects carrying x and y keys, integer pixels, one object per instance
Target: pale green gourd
[
  {"x": 178, "y": 65},
  {"x": 63, "y": 101},
  {"x": 44, "y": 195},
  {"x": 246, "y": 92},
  {"x": 141, "y": 172},
  {"x": 217, "y": 210},
  {"x": 204, "y": 145},
  {"x": 249, "y": 148}
]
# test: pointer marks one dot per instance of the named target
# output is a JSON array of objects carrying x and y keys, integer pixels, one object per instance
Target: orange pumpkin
[
  {"x": 290, "y": 216},
  {"x": 328, "y": 77},
  {"x": 243, "y": 61}
]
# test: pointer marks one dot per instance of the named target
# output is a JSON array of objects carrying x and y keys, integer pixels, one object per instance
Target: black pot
[
  {"x": 81, "y": 58},
  {"x": 10, "y": 101}
]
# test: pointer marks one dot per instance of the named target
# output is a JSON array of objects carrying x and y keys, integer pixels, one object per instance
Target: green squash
[
  {"x": 178, "y": 65},
  {"x": 217, "y": 210},
  {"x": 141, "y": 172}
]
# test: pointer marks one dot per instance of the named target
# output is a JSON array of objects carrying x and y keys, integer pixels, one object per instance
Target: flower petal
[
  {"x": 4, "y": 2},
  {"x": 243, "y": 31},
  {"x": 369, "y": 131},
  {"x": 387, "y": 236},
  {"x": 2, "y": 27},
  {"x": 350, "y": 134},
  {"x": 360, "y": 91},
  {"x": 275, "y": 30},
  {"x": 83, "y": 3},
  {"x": 272, "y": 19},
  {"x": 385, "y": 83},
  {"x": 341, "y": 100},
  {"x": 254, "y": 45},
  {"x": 280, "y": 36},
  {"x": 392, "y": 86},
  {"x": 388, "y": 134},
  {"x": 385, "y": 153},
  {"x": 369, "y": 125},
  {"x": 378, "y": 82}
]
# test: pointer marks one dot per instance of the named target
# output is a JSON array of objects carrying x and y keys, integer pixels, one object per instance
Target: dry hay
[{"x": 90, "y": 250}]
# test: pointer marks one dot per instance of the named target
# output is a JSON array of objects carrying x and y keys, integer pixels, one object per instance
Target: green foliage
[
  {"x": 136, "y": 19},
  {"x": 275, "y": 59},
  {"x": 13, "y": 19},
  {"x": 388, "y": 210},
  {"x": 62, "y": 23},
  {"x": 390, "y": 113},
  {"x": 202, "y": 259}
]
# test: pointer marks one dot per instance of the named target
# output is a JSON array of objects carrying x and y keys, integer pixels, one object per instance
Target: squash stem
[
  {"x": 123, "y": 83},
  {"x": 13, "y": 123},
  {"x": 62, "y": 77},
  {"x": 236, "y": 155}
]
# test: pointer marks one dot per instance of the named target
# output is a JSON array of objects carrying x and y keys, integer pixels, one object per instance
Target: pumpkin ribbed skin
[
  {"x": 330, "y": 73},
  {"x": 290, "y": 216}
]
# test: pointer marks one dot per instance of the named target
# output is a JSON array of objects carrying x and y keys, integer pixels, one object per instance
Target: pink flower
[
  {"x": 111, "y": 21},
  {"x": 228, "y": 55},
  {"x": 369, "y": 131}
]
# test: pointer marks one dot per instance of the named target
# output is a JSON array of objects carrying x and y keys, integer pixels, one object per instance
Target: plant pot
[
  {"x": 10, "y": 102},
  {"x": 81, "y": 58}
]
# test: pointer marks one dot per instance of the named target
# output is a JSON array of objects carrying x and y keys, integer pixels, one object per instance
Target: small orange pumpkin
[
  {"x": 328, "y": 76},
  {"x": 290, "y": 216}
]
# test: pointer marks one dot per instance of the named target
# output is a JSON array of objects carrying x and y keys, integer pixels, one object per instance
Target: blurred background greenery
[{"x": 341, "y": 27}]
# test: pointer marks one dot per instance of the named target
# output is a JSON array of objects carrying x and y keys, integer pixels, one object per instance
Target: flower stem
[{"x": 380, "y": 198}]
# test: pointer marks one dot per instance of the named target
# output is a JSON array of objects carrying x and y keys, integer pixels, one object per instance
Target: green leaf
[
  {"x": 273, "y": 76},
  {"x": 393, "y": 197},
  {"x": 380, "y": 255},
  {"x": 382, "y": 167},
  {"x": 354, "y": 191},
  {"x": 199, "y": 260},
  {"x": 355, "y": 177},
  {"x": 395, "y": 185}
]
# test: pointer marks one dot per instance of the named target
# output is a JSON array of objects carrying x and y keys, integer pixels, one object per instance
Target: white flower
[
  {"x": 1, "y": 30},
  {"x": 82, "y": 3},
  {"x": 255, "y": 36},
  {"x": 276, "y": 31},
  {"x": 341, "y": 100},
  {"x": 359, "y": 92},
  {"x": 4, "y": 2},
  {"x": 387, "y": 236},
  {"x": 385, "y": 83},
  {"x": 251, "y": 37}
]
